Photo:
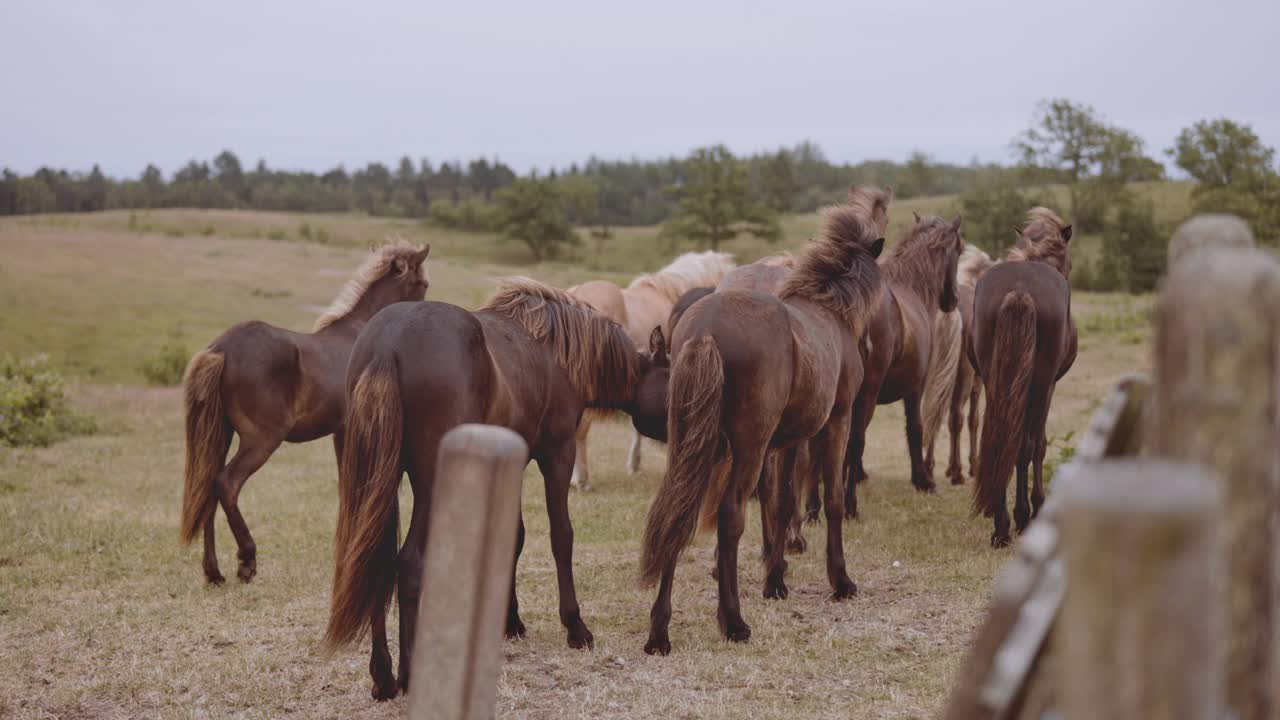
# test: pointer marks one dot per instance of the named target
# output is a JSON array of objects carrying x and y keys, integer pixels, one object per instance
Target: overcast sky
[{"x": 308, "y": 85}]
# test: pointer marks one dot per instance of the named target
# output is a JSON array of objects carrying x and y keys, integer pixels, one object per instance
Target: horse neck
[
  {"x": 378, "y": 296},
  {"x": 928, "y": 286},
  {"x": 614, "y": 375}
]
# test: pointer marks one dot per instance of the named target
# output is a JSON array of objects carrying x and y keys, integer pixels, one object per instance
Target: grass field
[{"x": 102, "y": 615}]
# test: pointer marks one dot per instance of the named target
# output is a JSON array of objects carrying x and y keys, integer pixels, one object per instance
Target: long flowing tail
[
  {"x": 698, "y": 458},
  {"x": 1007, "y": 388},
  {"x": 368, "y": 511},
  {"x": 208, "y": 437},
  {"x": 940, "y": 382}
]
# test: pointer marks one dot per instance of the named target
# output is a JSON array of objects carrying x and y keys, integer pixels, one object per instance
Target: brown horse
[
  {"x": 1024, "y": 341},
  {"x": 919, "y": 282},
  {"x": 640, "y": 307},
  {"x": 957, "y": 372},
  {"x": 269, "y": 385},
  {"x": 530, "y": 360},
  {"x": 752, "y": 372}
]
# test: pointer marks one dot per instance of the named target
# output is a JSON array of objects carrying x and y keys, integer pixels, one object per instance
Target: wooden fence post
[
  {"x": 1216, "y": 369},
  {"x": 1208, "y": 232},
  {"x": 466, "y": 581},
  {"x": 1140, "y": 629}
]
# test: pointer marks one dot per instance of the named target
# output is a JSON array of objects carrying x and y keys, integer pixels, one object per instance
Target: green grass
[{"x": 102, "y": 614}]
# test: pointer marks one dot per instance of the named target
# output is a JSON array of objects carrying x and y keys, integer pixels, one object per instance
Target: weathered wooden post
[
  {"x": 1216, "y": 369},
  {"x": 1140, "y": 629},
  {"x": 466, "y": 579},
  {"x": 1209, "y": 232}
]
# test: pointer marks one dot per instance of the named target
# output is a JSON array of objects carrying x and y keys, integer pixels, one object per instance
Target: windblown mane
[
  {"x": 914, "y": 261},
  {"x": 1041, "y": 241},
  {"x": 838, "y": 271},
  {"x": 595, "y": 351},
  {"x": 375, "y": 267},
  {"x": 873, "y": 203},
  {"x": 690, "y": 270},
  {"x": 782, "y": 260},
  {"x": 973, "y": 262}
]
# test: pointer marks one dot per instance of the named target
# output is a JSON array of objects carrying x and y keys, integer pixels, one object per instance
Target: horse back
[{"x": 1050, "y": 296}]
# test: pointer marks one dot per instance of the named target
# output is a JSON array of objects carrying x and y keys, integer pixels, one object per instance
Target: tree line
[{"x": 712, "y": 196}]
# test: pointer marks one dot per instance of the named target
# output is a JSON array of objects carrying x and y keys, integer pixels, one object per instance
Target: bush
[
  {"x": 167, "y": 365},
  {"x": 1133, "y": 248},
  {"x": 471, "y": 214},
  {"x": 33, "y": 407}
]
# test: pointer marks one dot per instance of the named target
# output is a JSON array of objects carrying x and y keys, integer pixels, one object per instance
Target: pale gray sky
[{"x": 317, "y": 83}]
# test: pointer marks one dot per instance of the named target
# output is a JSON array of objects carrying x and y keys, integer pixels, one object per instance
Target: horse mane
[
  {"x": 594, "y": 351},
  {"x": 373, "y": 269},
  {"x": 838, "y": 271},
  {"x": 873, "y": 203},
  {"x": 1041, "y": 241},
  {"x": 914, "y": 261},
  {"x": 690, "y": 270},
  {"x": 973, "y": 262},
  {"x": 782, "y": 260}
]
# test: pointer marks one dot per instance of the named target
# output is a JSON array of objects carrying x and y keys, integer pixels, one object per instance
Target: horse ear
[
  {"x": 657, "y": 342},
  {"x": 1066, "y": 234},
  {"x": 915, "y": 215},
  {"x": 877, "y": 247},
  {"x": 422, "y": 254},
  {"x": 1017, "y": 232},
  {"x": 399, "y": 266}
]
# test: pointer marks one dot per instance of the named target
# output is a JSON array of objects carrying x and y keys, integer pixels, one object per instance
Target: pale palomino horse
[{"x": 640, "y": 307}]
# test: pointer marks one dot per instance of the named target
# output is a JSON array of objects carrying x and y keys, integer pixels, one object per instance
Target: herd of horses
[{"x": 762, "y": 379}]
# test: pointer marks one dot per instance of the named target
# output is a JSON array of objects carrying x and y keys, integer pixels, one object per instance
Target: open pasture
[{"x": 103, "y": 615}]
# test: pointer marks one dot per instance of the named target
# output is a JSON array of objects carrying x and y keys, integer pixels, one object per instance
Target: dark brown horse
[
  {"x": 532, "y": 359},
  {"x": 919, "y": 282},
  {"x": 752, "y": 372},
  {"x": 268, "y": 386},
  {"x": 1024, "y": 341}
]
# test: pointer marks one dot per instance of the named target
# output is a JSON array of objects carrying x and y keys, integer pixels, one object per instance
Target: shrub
[
  {"x": 277, "y": 234},
  {"x": 33, "y": 408},
  {"x": 166, "y": 366},
  {"x": 1133, "y": 247}
]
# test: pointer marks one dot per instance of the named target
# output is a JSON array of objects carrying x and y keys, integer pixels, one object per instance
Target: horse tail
[
  {"x": 1007, "y": 390},
  {"x": 368, "y": 510},
  {"x": 208, "y": 437},
  {"x": 940, "y": 380},
  {"x": 698, "y": 458}
]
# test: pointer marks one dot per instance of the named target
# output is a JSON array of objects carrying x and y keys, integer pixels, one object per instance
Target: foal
[
  {"x": 532, "y": 359},
  {"x": 641, "y": 306},
  {"x": 269, "y": 385},
  {"x": 752, "y": 372},
  {"x": 1024, "y": 341}
]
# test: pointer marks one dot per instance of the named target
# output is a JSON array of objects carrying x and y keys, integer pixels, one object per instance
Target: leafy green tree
[
  {"x": 992, "y": 211},
  {"x": 779, "y": 181},
  {"x": 917, "y": 177},
  {"x": 1234, "y": 173},
  {"x": 532, "y": 211},
  {"x": 1071, "y": 142},
  {"x": 1133, "y": 248},
  {"x": 714, "y": 205},
  {"x": 230, "y": 175}
]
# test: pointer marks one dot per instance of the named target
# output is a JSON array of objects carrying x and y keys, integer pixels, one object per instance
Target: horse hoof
[
  {"x": 383, "y": 692},
  {"x": 812, "y": 516},
  {"x": 581, "y": 638},
  {"x": 214, "y": 578},
  {"x": 738, "y": 633},
  {"x": 515, "y": 629},
  {"x": 247, "y": 572},
  {"x": 999, "y": 540},
  {"x": 776, "y": 591},
  {"x": 850, "y": 513},
  {"x": 844, "y": 590},
  {"x": 658, "y": 646},
  {"x": 957, "y": 479},
  {"x": 925, "y": 486},
  {"x": 796, "y": 545}
]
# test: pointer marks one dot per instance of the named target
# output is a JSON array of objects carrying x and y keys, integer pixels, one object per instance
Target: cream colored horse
[{"x": 639, "y": 308}]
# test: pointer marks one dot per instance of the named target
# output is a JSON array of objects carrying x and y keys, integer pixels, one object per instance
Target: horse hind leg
[
  {"x": 915, "y": 445},
  {"x": 1021, "y": 503},
  {"x": 1036, "y": 430},
  {"x": 731, "y": 521},
  {"x": 955, "y": 421},
  {"x": 409, "y": 580},
  {"x": 555, "y": 474},
  {"x": 253, "y": 453},
  {"x": 975, "y": 416}
]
